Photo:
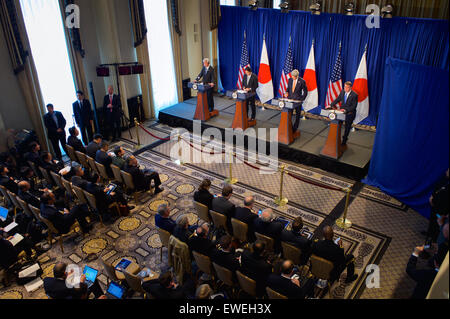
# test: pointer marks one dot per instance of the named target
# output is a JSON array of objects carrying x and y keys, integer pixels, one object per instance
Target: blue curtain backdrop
[
  {"x": 420, "y": 41},
  {"x": 411, "y": 148}
]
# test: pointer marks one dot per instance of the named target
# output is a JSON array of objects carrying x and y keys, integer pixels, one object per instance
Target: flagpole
[{"x": 264, "y": 39}]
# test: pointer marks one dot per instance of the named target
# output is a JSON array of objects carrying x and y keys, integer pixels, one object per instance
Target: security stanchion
[
  {"x": 343, "y": 222},
  {"x": 230, "y": 180},
  {"x": 179, "y": 161},
  {"x": 280, "y": 200},
  {"x": 136, "y": 124}
]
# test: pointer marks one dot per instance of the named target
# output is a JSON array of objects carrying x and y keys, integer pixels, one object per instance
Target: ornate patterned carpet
[{"x": 383, "y": 233}]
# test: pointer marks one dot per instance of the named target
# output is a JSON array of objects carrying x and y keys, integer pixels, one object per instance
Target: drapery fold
[
  {"x": 420, "y": 41},
  {"x": 174, "y": 13},
  {"x": 215, "y": 14},
  {"x": 138, "y": 21}
]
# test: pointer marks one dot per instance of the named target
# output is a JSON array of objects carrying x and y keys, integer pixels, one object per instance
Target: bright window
[
  {"x": 276, "y": 4},
  {"x": 227, "y": 2},
  {"x": 45, "y": 29},
  {"x": 162, "y": 68}
]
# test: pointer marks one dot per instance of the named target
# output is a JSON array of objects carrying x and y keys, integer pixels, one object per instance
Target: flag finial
[
  {"x": 340, "y": 44},
  {"x": 245, "y": 34},
  {"x": 313, "y": 41},
  {"x": 290, "y": 39},
  {"x": 365, "y": 49}
]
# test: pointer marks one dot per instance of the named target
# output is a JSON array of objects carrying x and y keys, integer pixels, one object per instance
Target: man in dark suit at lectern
[
  {"x": 298, "y": 91},
  {"x": 83, "y": 117},
  {"x": 349, "y": 100},
  {"x": 112, "y": 112},
  {"x": 207, "y": 74},
  {"x": 250, "y": 84}
]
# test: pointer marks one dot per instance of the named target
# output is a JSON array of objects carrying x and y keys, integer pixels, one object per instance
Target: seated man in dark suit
[
  {"x": 267, "y": 225},
  {"x": 49, "y": 164},
  {"x": 224, "y": 256},
  {"x": 424, "y": 277},
  {"x": 224, "y": 206},
  {"x": 94, "y": 146},
  {"x": 165, "y": 288},
  {"x": 78, "y": 179},
  {"x": 247, "y": 215},
  {"x": 34, "y": 155},
  {"x": 295, "y": 238},
  {"x": 288, "y": 284},
  {"x": 74, "y": 141},
  {"x": 182, "y": 230},
  {"x": 333, "y": 252},
  {"x": 203, "y": 195},
  {"x": 118, "y": 160},
  {"x": 255, "y": 266},
  {"x": 8, "y": 182},
  {"x": 142, "y": 179},
  {"x": 56, "y": 287},
  {"x": 26, "y": 195},
  {"x": 27, "y": 175},
  {"x": 163, "y": 220},
  {"x": 103, "y": 158},
  {"x": 199, "y": 241},
  {"x": 63, "y": 220}
]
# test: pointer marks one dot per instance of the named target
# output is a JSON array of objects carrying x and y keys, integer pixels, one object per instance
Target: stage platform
[{"x": 353, "y": 164}]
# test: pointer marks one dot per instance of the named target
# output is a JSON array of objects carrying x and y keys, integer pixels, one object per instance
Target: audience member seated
[
  {"x": 35, "y": 154},
  {"x": 200, "y": 242},
  {"x": 103, "y": 158},
  {"x": 267, "y": 225},
  {"x": 295, "y": 238},
  {"x": 165, "y": 287},
  {"x": 142, "y": 178},
  {"x": 56, "y": 287},
  {"x": 424, "y": 277},
  {"x": 94, "y": 146},
  {"x": 203, "y": 195},
  {"x": 9, "y": 253},
  {"x": 439, "y": 202},
  {"x": 6, "y": 159},
  {"x": 163, "y": 220},
  {"x": 118, "y": 160},
  {"x": 255, "y": 266},
  {"x": 8, "y": 182},
  {"x": 49, "y": 164},
  {"x": 78, "y": 177},
  {"x": 74, "y": 141},
  {"x": 26, "y": 195},
  {"x": 224, "y": 206},
  {"x": 224, "y": 256},
  {"x": 63, "y": 220},
  {"x": 181, "y": 230},
  {"x": 247, "y": 215},
  {"x": 333, "y": 252},
  {"x": 27, "y": 175},
  {"x": 288, "y": 283}
]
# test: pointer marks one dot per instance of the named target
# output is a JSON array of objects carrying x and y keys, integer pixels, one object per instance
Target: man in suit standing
[
  {"x": 349, "y": 100},
  {"x": 112, "y": 114},
  {"x": 250, "y": 84},
  {"x": 83, "y": 117},
  {"x": 207, "y": 73},
  {"x": 55, "y": 123},
  {"x": 298, "y": 91}
]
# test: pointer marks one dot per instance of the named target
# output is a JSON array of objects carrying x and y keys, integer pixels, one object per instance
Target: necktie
[
  {"x": 346, "y": 96},
  {"x": 110, "y": 101},
  {"x": 293, "y": 86}
]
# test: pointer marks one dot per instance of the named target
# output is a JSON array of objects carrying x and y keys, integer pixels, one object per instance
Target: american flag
[
  {"x": 244, "y": 63},
  {"x": 286, "y": 73},
  {"x": 335, "y": 86}
]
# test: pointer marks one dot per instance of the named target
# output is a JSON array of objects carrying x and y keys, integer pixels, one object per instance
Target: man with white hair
[
  {"x": 267, "y": 225},
  {"x": 207, "y": 73},
  {"x": 298, "y": 91}
]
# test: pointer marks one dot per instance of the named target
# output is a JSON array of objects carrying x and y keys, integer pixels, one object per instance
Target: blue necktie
[{"x": 345, "y": 99}]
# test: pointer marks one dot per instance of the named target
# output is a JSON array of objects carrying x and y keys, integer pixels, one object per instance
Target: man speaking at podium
[
  {"x": 250, "y": 84},
  {"x": 207, "y": 74},
  {"x": 298, "y": 91},
  {"x": 349, "y": 100}
]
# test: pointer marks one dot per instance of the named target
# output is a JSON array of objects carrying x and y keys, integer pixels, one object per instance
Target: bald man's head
[
  {"x": 24, "y": 186},
  {"x": 59, "y": 271},
  {"x": 249, "y": 201},
  {"x": 287, "y": 267},
  {"x": 328, "y": 233}
]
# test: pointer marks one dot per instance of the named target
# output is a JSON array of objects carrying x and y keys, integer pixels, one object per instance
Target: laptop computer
[
  {"x": 123, "y": 264},
  {"x": 91, "y": 275},
  {"x": 3, "y": 213},
  {"x": 115, "y": 291}
]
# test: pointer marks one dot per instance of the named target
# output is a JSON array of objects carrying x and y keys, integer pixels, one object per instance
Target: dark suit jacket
[
  {"x": 297, "y": 240},
  {"x": 91, "y": 149},
  {"x": 208, "y": 76},
  {"x": 52, "y": 166},
  {"x": 8, "y": 254},
  {"x": 225, "y": 207},
  {"x": 301, "y": 91},
  {"x": 154, "y": 288},
  {"x": 9, "y": 184},
  {"x": 272, "y": 229},
  {"x": 352, "y": 102},
  {"x": 225, "y": 259},
  {"x": 79, "y": 182},
  {"x": 257, "y": 268},
  {"x": 252, "y": 84},
  {"x": 29, "y": 198},
  {"x": 101, "y": 198},
  {"x": 423, "y": 277},
  {"x": 139, "y": 179},
  {"x": 182, "y": 234},
  {"x": 116, "y": 112},
  {"x": 76, "y": 143},
  {"x": 83, "y": 114},
  {"x": 285, "y": 287},
  {"x": 245, "y": 215},
  {"x": 201, "y": 245},
  {"x": 165, "y": 223},
  {"x": 103, "y": 158},
  {"x": 51, "y": 125},
  {"x": 204, "y": 197},
  {"x": 34, "y": 157},
  {"x": 57, "y": 289},
  {"x": 328, "y": 250},
  {"x": 52, "y": 214}
]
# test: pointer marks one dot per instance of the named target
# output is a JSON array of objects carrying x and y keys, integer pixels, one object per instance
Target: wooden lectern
[
  {"x": 240, "y": 116},
  {"x": 202, "y": 111},
  {"x": 333, "y": 147},
  {"x": 286, "y": 135}
]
